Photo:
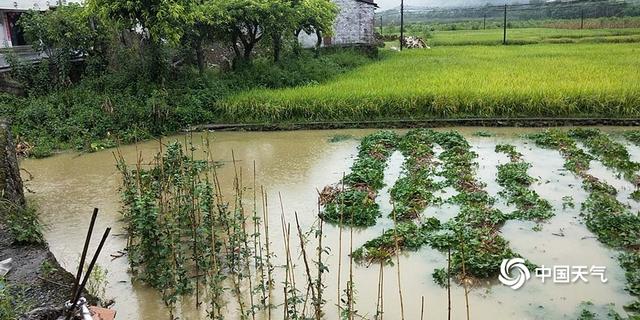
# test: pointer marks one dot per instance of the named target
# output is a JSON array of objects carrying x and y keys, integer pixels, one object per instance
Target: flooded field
[{"x": 296, "y": 166}]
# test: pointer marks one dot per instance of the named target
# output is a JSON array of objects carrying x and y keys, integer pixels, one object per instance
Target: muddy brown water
[{"x": 296, "y": 164}]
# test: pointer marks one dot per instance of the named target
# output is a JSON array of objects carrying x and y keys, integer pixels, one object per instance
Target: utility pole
[
  {"x": 582, "y": 19},
  {"x": 504, "y": 36},
  {"x": 401, "y": 24},
  {"x": 484, "y": 21},
  {"x": 380, "y": 24}
]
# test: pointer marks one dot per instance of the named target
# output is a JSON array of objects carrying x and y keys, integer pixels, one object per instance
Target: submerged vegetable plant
[
  {"x": 515, "y": 180},
  {"x": 613, "y": 154},
  {"x": 405, "y": 236},
  {"x": 169, "y": 212},
  {"x": 477, "y": 249},
  {"x": 415, "y": 189},
  {"x": 185, "y": 237},
  {"x": 353, "y": 201},
  {"x": 410, "y": 195},
  {"x": 633, "y": 136},
  {"x": 605, "y": 216}
]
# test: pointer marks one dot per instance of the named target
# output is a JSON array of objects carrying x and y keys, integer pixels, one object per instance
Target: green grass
[
  {"x": 546, "y": 80},
  {"x": 426, "y": 27},
  {"x": 531, "y": 35},
  {"x": 125, "y": 105}
]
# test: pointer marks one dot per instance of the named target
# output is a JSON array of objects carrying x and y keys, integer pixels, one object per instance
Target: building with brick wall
[
  {"x": 354, "y": 25},
  {"x": 10, "y": 12}
]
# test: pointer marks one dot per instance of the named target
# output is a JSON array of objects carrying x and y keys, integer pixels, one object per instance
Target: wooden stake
[
  {"x": 395, "y": 237},
  {"x": 464, "y": 277},
  {"x": 449, "y": 284}
]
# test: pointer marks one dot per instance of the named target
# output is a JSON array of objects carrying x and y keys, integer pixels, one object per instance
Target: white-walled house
[
  {"x": 10, "y": 11},
  {"x": 354, "y": 25}
]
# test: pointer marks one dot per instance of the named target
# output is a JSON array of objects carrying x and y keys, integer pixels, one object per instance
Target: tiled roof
[{"x": 371, "y": 2}]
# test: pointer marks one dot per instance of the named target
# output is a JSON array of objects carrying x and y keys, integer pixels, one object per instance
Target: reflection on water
[{"x": 297, "y": 164}]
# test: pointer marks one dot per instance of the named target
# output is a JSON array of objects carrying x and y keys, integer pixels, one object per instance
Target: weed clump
[
  {"x": 353, "y": 202},
  {"x": 340, "y": 138},
  {"x": 23, "y": 223}
]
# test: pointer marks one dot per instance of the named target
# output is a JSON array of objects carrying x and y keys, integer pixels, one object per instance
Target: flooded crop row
[{"x": 394, "y": 224}]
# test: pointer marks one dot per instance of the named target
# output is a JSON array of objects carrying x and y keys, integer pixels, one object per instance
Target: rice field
[
  {"x": 543, "y": 80},
  {"x": 531, "y": 36}
]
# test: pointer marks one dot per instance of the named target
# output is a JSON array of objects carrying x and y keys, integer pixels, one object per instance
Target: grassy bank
[
  {"x": 124, "y": 106},
  {"x": 599, "y": 80}
]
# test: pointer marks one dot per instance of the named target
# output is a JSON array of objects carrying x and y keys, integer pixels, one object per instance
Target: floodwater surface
[{"x": 296, "y": 165}]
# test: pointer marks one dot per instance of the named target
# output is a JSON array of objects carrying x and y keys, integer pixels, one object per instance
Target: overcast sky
[{"x": 389, "y": 4}]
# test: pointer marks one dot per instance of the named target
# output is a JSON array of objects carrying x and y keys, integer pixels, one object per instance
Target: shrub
[{"x": 23, "y": 223}]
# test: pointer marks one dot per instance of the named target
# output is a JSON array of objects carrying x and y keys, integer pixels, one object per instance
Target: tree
[
  {"x": 204, "y": 17},
  {"x": 62, "y": 34},
  {"x": 243, "y": 25},
  {"x": 280, "y": 19},
  {"x": 155, "y": 20},
  {"x": 316, "y": 16},
  {"x": 249, "y": 21}
]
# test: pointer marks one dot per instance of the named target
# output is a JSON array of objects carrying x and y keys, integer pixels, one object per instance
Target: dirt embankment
[
  {"x": 36, "y": 281},
  {"x": 37, "y": 285},
  {"x": 424, "y": 123}
]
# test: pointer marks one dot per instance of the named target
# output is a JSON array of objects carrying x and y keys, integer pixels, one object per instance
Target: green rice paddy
[
  {"x": 532, "y": 35},
  {"x": 542, "y": 80}
]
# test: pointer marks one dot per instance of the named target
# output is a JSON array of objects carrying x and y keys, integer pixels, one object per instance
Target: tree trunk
[
  {"x": 277, "y": 47},
  {"x": 248, "y": 48},
  {"x": 296, "y": 44},
  {"x": 200, "y": 56},
  {"x": 10, "y": 180},
  {"x": 318, "y": 42}
]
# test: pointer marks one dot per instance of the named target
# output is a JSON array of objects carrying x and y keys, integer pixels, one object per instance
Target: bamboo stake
[
  {"x": 265, "y": 212},
  {"x": 340, "y": 244},
  {"x": 216, "y": 307},
  {"x": 395, "y": 236},
  {"x": 351, "y": 269},
  {"x": 380, "y": 296},
  {"x": 286, "y": 275},
  {"x": 290, "y": 264},
  {"x": 380, "y": 288},
  {"x": 464, "y": 277},
  {"x": 304, "y": 257},
  {"x": 319, "y": 289},
  {"x": 257, "y": 240},
  {"x": 194, "y": 226},
  {"x": 243, "y": 217},
  {"x": 449, "y": 284}
]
